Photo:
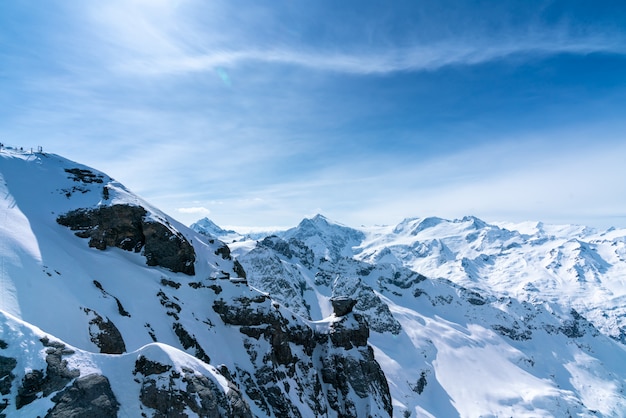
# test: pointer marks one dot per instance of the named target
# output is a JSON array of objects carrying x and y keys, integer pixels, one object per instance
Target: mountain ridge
[
  {"x": 522, "y": 291},
  {"x": 317, "y": 320},
  {"x": 94, "y": 283}
]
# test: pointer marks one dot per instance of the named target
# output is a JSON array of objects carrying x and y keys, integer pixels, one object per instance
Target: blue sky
[{"x": 259, "y": 113}]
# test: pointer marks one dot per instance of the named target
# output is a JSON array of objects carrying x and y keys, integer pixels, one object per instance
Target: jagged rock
[
  {"x": 363, "y": 375},
  {"x": 33, "y": 382},
  {"x": 224, "y": 252},
  {"x": 342, "y": 305},
  {"x": 7, "y": 364},
  {"x": 56, "y": 377},
  {"x": 148, "y": 367},
  {"x": 161, "y": 390},
  {"x": 578, "y": 326},
  {"x": 105, "y": 334},
  {"x": 340, "y": 370},
  {"x": 89, "y": 396},
  {"x": 167, "y": 249},
  {"x": 83, "y": 175},
  {"x": 189, "y": 341},
  {"x": 238, "y": 269},
  {"x": 126, "y": 227},
  {"x": 350, "y": 331},
  {"x": 108, "y": 226},
  {"x": 276, "y": 244}
]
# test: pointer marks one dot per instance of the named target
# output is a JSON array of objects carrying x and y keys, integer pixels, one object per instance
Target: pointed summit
[
  {"x": 206, "y": 226},
  {"x": 327, "y": 239}
]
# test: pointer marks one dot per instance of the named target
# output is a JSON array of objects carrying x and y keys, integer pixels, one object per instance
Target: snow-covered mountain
[
  {"x": 468, "y": 319},
  {"x": 207, "y": 227},
  {"x": 109, "y": 307}
]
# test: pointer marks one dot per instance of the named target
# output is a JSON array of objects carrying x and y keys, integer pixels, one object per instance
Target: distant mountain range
[
  {"x": 467, "y": 318},
  {"x": 109, "y": 307}
]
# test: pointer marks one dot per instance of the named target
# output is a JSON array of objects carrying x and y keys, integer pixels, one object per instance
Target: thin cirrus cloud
[
  {"x": 166, "y": 39},
  {"x": 417, "y": 58}
]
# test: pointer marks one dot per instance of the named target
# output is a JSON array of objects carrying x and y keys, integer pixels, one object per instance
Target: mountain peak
[{"x": 207, "y": 226}]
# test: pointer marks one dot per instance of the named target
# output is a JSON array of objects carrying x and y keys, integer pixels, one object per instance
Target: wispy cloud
[
  {"x": 164, "y": 38},
  {"x": 416, "y": 58}
]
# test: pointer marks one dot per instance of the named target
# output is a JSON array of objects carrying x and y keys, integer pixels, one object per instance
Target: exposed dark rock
[
  {"x": 338, "y": 371},
  {"x": 56, "y": 377},
  {"x": 405, "y": 278},
  {"x": 189, "y": 341},
  {"x": 7, "y": 364},
  {"x": 199, "y": 285},
  {"x": 83, "y": 175},
  {"x": 167, "y": 249},
  {"x": 420, "y": 385},
  {"x": 578, "y": 326},
  {"x": 3, "y": 345},
  {"x": 242, "y": 313},
  {"x": 224, "y": 252},
  {"x": 148, "y": 367},
  {"x": 89, "y": 396},
  {"x": 32, "y": 383},
  {"x": 170, "y": 283},
  {"x": 160, "y": 390},
  {"x": 108, "y": 226},
  {"x": 120, "y": 307},
  {"x": 172, "y": 308},
  {"x": 126, "y": 227},
  {"x": 238, "y": 269},
  {"x": 105, "y": 334},
  {"x": 348, "y": 334},
  {"x": 364, "y": 375},
  {"x": 514, "y": 332},
  {"x": 277, "y": 244},
  {"x": 342, "y": 305}
]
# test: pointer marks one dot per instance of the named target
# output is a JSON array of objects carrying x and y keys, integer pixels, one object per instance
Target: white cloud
[{"x": 199, "y": 210}]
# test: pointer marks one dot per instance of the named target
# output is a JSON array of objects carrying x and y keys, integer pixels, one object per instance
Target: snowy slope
[
  {"x": 154, "y": 315},
  {"x": 572, "y": 266},
  {"x": 469, "y": 319}
]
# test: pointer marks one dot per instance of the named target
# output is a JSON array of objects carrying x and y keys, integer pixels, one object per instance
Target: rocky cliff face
[
  {"x": 127, "y": 227},
  {"x": 302, "y": 363}
]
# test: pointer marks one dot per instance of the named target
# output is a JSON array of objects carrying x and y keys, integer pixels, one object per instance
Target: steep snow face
[
  {"x": 502, "y": 307},
  {"x": 90, "y": 303}
]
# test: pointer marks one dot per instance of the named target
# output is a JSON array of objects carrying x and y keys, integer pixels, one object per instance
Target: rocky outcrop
[
  {"x": 327, "y": 373},
  {"x": 56, "y": 376},
  {"x": 89, "y": 396},
  {"x": 342, "y": 305},
  {"x": 7, "y": 364},
  {"x": 105, "y": 334},
  {"x": 161, "y": 390},
  {"x": 127, "y": 227}
]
